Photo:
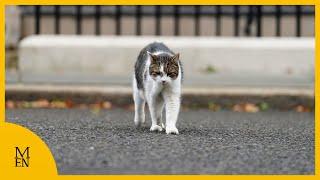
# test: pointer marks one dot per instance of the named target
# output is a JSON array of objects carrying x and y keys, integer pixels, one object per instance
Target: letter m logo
[{"x": 22, "y": 157}]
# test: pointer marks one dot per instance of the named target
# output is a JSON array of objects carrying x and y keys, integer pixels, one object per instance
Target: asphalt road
[{"x": 86, "y": 142}]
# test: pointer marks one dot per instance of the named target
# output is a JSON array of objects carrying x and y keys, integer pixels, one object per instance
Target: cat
[{"x": 157, "y": 81}]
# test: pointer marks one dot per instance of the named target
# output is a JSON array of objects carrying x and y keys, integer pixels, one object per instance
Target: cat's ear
[
  {"x": 152, "y": 57},
  {"x": 176, "y": 57}
]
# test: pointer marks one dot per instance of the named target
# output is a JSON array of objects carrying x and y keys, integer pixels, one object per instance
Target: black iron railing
[{"x": 253, "y": 15}]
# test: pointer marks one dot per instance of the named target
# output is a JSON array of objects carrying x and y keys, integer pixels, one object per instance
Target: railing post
[
  {"x": 97, "y": 20},
  {"x": 278, "y": 20},
  {"x": 117, "y": 18},
  {"x": 250, "y": 16},
  {"x": 236, "y": 20},
  {"x": 158, "y": 20},
  {"x": 176, "y": 20},
  {"x": 37, "y": 19},
  {"x": 298, "y": 21},
  {"x": 57, "y": 19},
  {"x": 138, "y": 20},
  {"x": 259, "y": 21},
  {"x": 78, "y": 19},
  {"x": 218, "y": 20},
  {"x": 196, "y": 20}
]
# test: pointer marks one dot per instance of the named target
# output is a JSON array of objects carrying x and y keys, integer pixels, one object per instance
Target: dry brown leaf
[
  {"x": 107, "y": 105},
  {"x": 82, "y": 106},
  {"x": 10, "y": 104},
  {"x": 237, "y": 108},
  {"x": 41, "y": 103},
  {"x": 69, "y": 103},
  {"x": 301, "y": 108},
  {"x": 245, "y": 107},
  {"x": 58, "y": 104},
  {"x": 251, "y": 108}
]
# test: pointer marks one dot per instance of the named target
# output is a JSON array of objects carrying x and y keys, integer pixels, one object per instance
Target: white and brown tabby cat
[{"x": 157, "y": 81}]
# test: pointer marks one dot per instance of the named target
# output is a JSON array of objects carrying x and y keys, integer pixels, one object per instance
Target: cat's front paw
[
  {"x": 156, "y": 128},
  {"x": 172, "y": 130}
]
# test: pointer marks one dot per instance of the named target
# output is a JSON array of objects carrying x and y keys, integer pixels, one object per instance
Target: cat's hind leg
[{"x": 139, "y": 104}]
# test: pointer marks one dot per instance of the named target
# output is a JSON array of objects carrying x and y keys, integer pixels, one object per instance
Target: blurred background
[
  {"x": 226, "y": 50},
  {"x": 247, "y": 95}
]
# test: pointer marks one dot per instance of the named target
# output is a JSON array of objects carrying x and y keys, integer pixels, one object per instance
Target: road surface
[{"x": 224, "y": 142}]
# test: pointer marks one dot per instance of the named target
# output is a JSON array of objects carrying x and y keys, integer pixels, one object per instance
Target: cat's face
[{"x": 164, "y": 69}]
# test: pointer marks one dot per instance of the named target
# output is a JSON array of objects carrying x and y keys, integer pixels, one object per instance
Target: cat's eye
[
  {"x": 172, "y": 75},
  {"x": 157, "y": 74}
]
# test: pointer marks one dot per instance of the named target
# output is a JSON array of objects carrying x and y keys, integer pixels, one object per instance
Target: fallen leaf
[
  {"x": 41, "y": 103},
  {"x": 245, "y": 107},
  {"x": 58, "y": 104},
  {"x": 106, "y": 105},
  {"x": 10, "y": 104},
  {"x": 251, "y": 108},
  {"x": 237, "y": 108},
  {"x": 69, "y": 103},
  {"x": 301, "y": 108},
  {"x": 82, "y": 106}
]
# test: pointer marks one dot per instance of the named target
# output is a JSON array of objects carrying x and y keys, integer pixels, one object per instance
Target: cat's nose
[{"x": 164, "y": 82}]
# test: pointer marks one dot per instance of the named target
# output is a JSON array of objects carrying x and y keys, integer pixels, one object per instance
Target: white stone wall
[{"x": 90, "y": 58}]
